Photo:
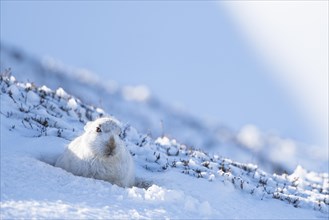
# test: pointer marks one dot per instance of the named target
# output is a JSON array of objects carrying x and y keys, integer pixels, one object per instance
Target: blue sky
[{"x": 190, "y": 53}]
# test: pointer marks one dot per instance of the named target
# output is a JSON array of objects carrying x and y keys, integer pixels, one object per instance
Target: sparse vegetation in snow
[{"x": 32, "y": 111}]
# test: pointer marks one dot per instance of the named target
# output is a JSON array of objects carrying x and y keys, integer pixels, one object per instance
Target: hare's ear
[{"x": 87, "y": 126}]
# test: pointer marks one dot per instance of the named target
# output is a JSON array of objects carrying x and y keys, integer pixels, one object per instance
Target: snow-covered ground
[{"x": 174, "y": 180}]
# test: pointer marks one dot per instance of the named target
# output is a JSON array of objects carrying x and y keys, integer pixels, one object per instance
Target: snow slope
[
  {"x": 137, "y": 106},
  {"x": 174, "y": 180}
]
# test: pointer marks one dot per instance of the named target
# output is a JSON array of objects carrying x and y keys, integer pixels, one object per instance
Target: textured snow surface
[{"x": 174, "y": 180}]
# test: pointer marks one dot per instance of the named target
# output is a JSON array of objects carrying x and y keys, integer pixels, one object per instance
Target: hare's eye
[{"x": 98, "y": 129}]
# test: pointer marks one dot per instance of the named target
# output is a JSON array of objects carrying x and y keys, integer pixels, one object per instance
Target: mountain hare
[{"x": 100, "y": 153}]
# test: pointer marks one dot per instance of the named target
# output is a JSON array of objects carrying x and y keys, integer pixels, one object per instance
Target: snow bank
[
  {"x": 175, "y": 181},
  {"x": 149, "y": 115}
]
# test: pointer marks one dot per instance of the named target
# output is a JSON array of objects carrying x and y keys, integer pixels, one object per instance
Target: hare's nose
[{"x": 110, "y": 146}]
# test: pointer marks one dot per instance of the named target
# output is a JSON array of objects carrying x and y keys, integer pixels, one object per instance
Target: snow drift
[
  {"x": 174, "y": 180},
  {"x": 137, "y": 106}
]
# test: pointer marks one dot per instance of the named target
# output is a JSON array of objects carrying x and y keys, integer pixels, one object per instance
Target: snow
[
  {"x": 250, "y": 136},
  {"x": 61, "y": 93},
  {"x": 174, "y": 180},
  {"x": 136, "y": 93},
  {"x": 185, "y": 167},
  {"x": 150, "y": 116}
]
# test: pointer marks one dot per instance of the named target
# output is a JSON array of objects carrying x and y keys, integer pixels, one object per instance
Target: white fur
[{"x": 88, "y": 155}]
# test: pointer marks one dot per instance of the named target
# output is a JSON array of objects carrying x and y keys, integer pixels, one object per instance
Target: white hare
[{"x": 100, "y": 153}]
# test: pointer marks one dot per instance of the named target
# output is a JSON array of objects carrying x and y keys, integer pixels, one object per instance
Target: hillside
[
  {"x": 174, "y": 179},
  {"x": 137, "y": 106}
]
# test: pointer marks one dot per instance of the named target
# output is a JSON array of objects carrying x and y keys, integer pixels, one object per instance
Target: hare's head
[{"x": 102, "y": 135}]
